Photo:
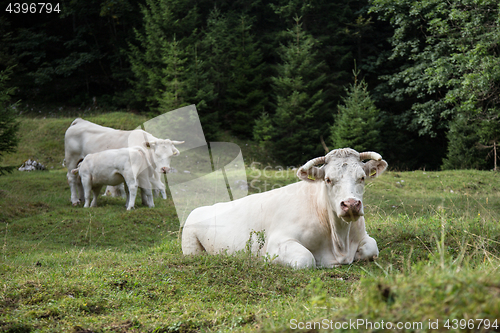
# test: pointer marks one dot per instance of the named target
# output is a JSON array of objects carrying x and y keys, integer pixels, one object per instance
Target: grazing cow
[
  {"x": 134, "y": 166},
  {"x": 317, "y": 222},
  {"x": 84, "y": 137}
]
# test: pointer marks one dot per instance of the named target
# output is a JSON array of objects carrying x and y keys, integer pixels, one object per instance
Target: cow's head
[
  {"x": 162, "y": 150},
  {"x": 343, "y": 174}
]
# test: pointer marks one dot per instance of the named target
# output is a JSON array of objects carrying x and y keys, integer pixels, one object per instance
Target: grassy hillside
[
  {"x": 65, "y": 268},
  {"x": 42, "y": 138}
]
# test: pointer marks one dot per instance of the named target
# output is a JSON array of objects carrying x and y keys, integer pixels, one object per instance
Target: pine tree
[
  {"x": 357, "y": 123},
  {"x": 8, "y": 124},
  {"x": 263, "y": 130},
  {"x": 201, "y": 90},
  {"x": 161, "y": 52},
  {"x": 300, "y": 99},
  {"x": 146, "y": 59},
  {"x": 245, "y": 96},
  {"x": 174, "y": 78},
  {"x": 217, "y": 43}
]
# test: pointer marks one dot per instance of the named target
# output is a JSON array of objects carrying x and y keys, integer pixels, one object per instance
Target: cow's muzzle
[
  {"x": 165, "y": 169},
  {"x": 351, "y": 208}
]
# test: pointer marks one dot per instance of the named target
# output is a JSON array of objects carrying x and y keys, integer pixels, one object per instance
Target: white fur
[
  {"x": 303, "y": 223},
  {"x": 84, "y": 137},
  {"x": 136, "y": 166}
]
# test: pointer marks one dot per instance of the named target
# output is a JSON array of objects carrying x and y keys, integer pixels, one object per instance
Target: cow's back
[
  {"x": 84, "y": 137},
  {"x": 227, "y": 226}
]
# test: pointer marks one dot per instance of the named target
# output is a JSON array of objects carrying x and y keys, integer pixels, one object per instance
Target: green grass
[
  {"x": 70, "y": 269},
  {"x": 42, "y": 138}
]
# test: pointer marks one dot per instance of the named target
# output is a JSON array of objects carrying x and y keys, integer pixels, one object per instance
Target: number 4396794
[
  {"x": 33, "y": 8},
  {"x": 471, "y": 324}
]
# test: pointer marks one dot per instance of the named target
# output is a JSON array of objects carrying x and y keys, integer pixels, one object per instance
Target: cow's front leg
[
  {"x": 147, "y": 197},
  {"x": 367, "y": 249},
  {"x": 145, "y": 183},
  {"x": 132, "y": 193},
  {"x": 158, "y": 186},
  {"x": 290, "y": 252},
  {"x": 162, "y": 193}
]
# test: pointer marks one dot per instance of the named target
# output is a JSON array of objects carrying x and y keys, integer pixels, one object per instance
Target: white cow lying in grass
[
  {"x": 317, "y": 222},
  {"x": 135, "y": 166}
]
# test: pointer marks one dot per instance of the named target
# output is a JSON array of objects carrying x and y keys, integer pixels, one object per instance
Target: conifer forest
[{"x": 416, "y": 81}]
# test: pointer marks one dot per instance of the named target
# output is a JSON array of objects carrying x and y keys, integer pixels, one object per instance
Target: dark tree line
[{"x": 280, "y": 72}]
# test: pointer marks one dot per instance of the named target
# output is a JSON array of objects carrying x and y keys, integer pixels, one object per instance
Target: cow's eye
[
  {"x": 362, "y": 179},
  {"x": 328, "y": 180}
]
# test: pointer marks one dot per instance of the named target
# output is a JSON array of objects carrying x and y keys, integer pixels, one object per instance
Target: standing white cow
[
  {"x": 134, "y": 166},
  {"x": 317, "y": 222},
  {"x": 84, "y": 137}
]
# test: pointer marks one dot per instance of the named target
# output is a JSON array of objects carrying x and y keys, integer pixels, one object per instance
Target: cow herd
[
  {"x": 96, "y": 156},
  {"x": 317, "y": 222}
]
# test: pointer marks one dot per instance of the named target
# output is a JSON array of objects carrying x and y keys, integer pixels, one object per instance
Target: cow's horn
[
  {"x": 370, "y": 155},
  {"x": 313, "y": 162}
]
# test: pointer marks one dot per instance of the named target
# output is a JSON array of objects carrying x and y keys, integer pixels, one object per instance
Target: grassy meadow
[{"x": 69, "y": 269}]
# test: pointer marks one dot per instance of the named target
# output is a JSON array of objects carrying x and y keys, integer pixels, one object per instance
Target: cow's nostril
[{"x": 351, "y": 205}]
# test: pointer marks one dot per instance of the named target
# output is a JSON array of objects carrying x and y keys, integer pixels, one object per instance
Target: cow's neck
[
  {"x": 339, "y": 229},
  {"x": 340, "y": 235}
]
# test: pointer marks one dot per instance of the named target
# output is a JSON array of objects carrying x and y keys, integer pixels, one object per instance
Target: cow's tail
[{"x": 75, "y": 171}]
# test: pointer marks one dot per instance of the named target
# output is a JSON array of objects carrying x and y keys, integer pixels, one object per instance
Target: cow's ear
[
  {"x": 311, "y": 175},
  {"x": 373, "y": 168},
  {"x": 149, "y": 144}
]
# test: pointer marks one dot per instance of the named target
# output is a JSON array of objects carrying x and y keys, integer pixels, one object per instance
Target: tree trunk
[
  {"x": 324, "y": 144},
  {"x": 495, "y": 155}
]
